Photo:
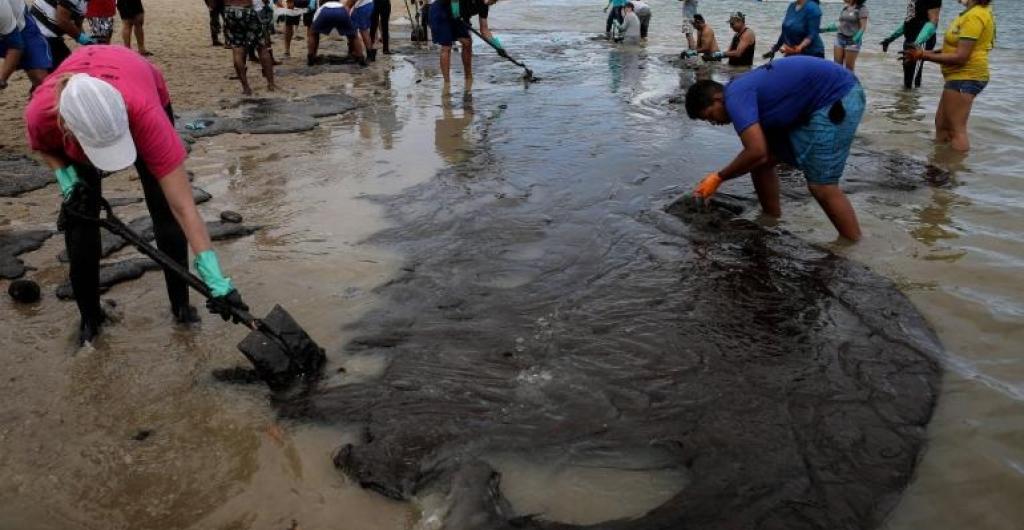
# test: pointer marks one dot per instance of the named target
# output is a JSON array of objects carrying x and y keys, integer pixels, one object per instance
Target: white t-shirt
[
  {"x": 362, "y": 3},
  {"x": 45, "y": 14},
  {"x": 12, "y": 16},
  {"x": 327, "y": 5}
]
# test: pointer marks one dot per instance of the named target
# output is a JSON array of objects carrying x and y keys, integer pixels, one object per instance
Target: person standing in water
[
  {"x": 798, "y": 110},
  {"x": 643, "y": 12},
  {"x": 964, "y": 60},
  {"x": 689, "y": 11},
  {"x": 104, "y": 109},
  {"x": 800, "y": 31},
  {"x": 615, "y": 15},
  {"x": 447, "y": 28},
  {"x": 628, "y": 32},
  {"x": 918, "y": 30},
  {"x": 243, "y": 30},
  {"x": 22, "y": 46},
  {"x": 705, "y": 44},
  {"x": 853, "y": 22},
  {"x": 133, "y": 18},
  {"x": 741, "y": 50}
]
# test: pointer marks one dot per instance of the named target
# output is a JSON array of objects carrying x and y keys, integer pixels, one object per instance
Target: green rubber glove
[
  {"x": 896, "y": 34},
  {"x": 209, "y": 270},
  {"x": 927, "y": 32},
  {"x": 858, "y": 38},
  {"x": 67, "y": 179},
  {"x": 497, "y": 43},
  {"x": 831, "y": 28},
  {"x": 455, "y": 8}
]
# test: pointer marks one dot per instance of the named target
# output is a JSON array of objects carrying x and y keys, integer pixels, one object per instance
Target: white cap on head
[{"x": 95, "y": 112}]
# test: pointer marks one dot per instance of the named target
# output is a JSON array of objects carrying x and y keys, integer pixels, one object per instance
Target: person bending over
[
  {"x": 335, "y": 16},
  {"x": 104, "y": 109},
  {"x": 798, "y": 110},
  {"x": 643, "y": 12},
  {"x": 628, "y": 31},
  {"x": 614, "y": 15}
]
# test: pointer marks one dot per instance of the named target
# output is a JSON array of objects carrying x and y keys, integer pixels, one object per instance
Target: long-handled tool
[
  {"x": 278, "y": 348},
  {"x": 528, "y": 75},
  {"x": 417, "y": 34}
]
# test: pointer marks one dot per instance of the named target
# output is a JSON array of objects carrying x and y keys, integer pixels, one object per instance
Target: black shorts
[
  {"x": 307, "y": 19},
  {"x": 129, "y": 9}
]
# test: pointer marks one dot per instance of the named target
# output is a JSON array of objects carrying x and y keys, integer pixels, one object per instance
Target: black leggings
[
  {"x": 614, "y": 13},
  {"x": 216, "y": 22},
  {"x": 911, "y": 73},
  {"x": 83, "y": 242},
  {"x": 379, "y": 19},
  {"x": 58, "y": 51}
]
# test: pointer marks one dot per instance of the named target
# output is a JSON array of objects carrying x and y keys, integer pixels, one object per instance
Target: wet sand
[{"x": 217, "y": 456}]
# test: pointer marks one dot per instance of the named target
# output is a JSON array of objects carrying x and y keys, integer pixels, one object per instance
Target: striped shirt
[{"x": 45, "y": 14}]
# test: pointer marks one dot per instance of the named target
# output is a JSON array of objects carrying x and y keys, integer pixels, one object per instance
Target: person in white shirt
[
  {"x": 22, "y": 46},
  {"x": 628, "y": 30},
  {"x": 643, "y": 12}
]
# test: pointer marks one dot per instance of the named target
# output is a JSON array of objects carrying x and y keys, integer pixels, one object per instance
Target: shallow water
[{"x": 218, "y": 457}]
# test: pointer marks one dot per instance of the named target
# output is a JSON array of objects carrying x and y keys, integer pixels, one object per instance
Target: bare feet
[
  {"x": 271, "y": 87},
  {"x": 246, "y": 91}
]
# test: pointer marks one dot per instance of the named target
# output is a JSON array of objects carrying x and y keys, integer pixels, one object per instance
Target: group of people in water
[
  {"x": 103, "y": 108},
  {"x": 804, "y": 110}
]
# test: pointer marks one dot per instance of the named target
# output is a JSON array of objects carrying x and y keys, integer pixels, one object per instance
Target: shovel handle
[
  {"x": 116, "y": 226},
  {"x": 492, "y": 45}
]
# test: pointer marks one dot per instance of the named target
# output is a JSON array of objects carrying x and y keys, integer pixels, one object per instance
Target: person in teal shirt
[
  {"x": 800, "y": 31},
  {"x": 614, "y": 16}
]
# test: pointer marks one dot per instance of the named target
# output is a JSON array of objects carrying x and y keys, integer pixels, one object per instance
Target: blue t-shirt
[
  {"x": 618, "y": 3},
  {"x": 800, "y": 24},
  {"x": 786, "y": 92}
]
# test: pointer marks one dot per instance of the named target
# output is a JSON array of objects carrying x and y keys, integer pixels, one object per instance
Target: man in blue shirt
[
  {"x": 21, "y": 44},
  {"x": 799, "y": 110}
]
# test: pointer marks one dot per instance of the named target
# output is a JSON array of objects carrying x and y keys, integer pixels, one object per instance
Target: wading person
[
  {"x": 964, "y": 60},
  {"x": 643, "y": 12},
  {"x": 689, "y": 11},
  {"x": 800, "y": 31},
  {"x": 334, "y": 16},
  {"x": 57, "y": 18},
  {"x": 99, "y": 14},
  {"x": 447, "y": 28},
  {"x": 291, "y": 21},
  {"x": 133, "y": 20},
  {"x": 853, "y": 22},
  {"x": 216, "y": 10},
  {"x": 741, "y": 50},
  {"x": 628, "y": 32},
  {"x": 361, "y": 13},
  {"x": 103, "y": 110},
  {"x": 614, "y": 15},
  {"x": 798, "y": 110},
  {"x": 705, "y": 42},
  {"x": 379, "y": 22},
  {"x": 917, "y": 30},
  {"x": 22, "y": 46},
  {"x": 245, "y": 30}
]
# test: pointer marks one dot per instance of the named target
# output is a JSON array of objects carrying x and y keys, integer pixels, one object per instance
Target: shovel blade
[{"x": 281, "y": 351}]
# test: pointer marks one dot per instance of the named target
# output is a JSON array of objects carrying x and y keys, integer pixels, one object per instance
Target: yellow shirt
[{"x": 977, "y": 24}]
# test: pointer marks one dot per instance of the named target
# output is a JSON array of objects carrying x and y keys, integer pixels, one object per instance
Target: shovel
[
  {"x": 528, "y": 75},
  {"x": 278, "y": 348}
]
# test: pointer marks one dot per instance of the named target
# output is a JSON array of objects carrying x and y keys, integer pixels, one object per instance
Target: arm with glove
[
  {"x": 67, "y": 24},
  {"x": 755, "y": 154}
]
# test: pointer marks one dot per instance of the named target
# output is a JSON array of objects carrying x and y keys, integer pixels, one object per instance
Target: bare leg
[
  {"x": 838, "y": 54},
  {"x": 467, "y": 58},
  {"x": 126, "y": 33},
  {"x": 766, "y": 184},
  {"x": 851, "y": 60},
  {"x": 36, "y": 77},
  {"x": 289, "y": 32},
  {"x": 356, "y": 48},
  {"x": 238, "y": 54},
  {"x": 312, "y": 46},
  {"x": 140, "y": 33},
  {"x": 446, "y": 64},
  {"x": 942, "y": 129},
  {"x": 267, "y": 60},
  {"x": 958, "y": 111},
  {"x": 838, "y": 208}
]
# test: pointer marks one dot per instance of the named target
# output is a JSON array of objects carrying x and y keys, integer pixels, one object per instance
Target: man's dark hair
[
  {"x": 698, "y": 18},
  {"x": 700, "y": 96},
  {"x": 630, "y": 5}
]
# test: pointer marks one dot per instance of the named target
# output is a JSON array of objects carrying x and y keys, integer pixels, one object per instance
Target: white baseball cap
[{"x": 95, "y": 112}]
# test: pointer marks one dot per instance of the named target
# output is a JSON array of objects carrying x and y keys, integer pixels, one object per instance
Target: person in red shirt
[
  {"x": 100, "y": 16},
  {"x": 104, "y": 109}
]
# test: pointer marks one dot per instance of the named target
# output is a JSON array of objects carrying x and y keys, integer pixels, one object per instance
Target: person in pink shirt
[
  {"x": 104, "y": 109},
  {"x": 100, "y": 16}
]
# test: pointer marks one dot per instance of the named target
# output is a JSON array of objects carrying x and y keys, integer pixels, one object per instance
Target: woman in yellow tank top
[{"x": 964, "y": 60}]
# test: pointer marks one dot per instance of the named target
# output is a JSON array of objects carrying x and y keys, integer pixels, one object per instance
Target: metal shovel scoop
[{"x": 278, "y": 348}]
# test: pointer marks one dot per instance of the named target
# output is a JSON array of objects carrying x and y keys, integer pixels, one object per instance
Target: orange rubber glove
[
  {"x": 913, "y": 54},
  {"x": 788, "y": 50},
  {"x": 708, "y": 186}
]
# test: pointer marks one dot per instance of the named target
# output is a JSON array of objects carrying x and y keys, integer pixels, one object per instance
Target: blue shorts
[
  {"x": 444, "y": 28},
  {"x": 820, "y": 148},
  {"x": 334, "y": 19},
  {"x": 966, "y": 86},
  {"x": 847, "y": 43},
  {"x": 35, "y": 51},
  {"x": 361, "y": 17}
]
